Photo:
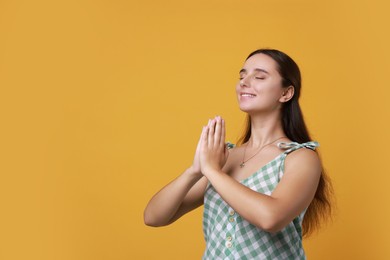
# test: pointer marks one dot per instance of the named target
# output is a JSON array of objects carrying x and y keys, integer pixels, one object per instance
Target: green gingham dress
[{"x": 229, "y": 236}]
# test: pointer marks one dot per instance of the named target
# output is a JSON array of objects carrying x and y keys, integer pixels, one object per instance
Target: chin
[
  {"x": 247, "y": 109},
  {"x": 250, "y": 110}
]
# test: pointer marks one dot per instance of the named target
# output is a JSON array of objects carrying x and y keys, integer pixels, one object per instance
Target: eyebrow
[{"x": 256, "y": 69}]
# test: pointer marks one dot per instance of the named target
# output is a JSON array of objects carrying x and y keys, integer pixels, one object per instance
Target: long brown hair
[{"x": 320, "y": 209}]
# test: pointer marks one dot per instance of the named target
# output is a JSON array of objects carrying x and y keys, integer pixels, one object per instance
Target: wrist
[
  {"x": 209, "y": 172},
  {"x": 192, "y": 171}
]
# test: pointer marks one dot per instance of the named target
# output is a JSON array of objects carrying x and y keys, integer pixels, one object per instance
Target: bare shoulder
[
  {"x": 235, "y": 151},
  {"x": 302, "y": 171},
  {"x": 303, "y": 159}
]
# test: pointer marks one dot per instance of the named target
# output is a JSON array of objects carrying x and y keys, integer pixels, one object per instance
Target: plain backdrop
[{"x": 102, "y": 103}]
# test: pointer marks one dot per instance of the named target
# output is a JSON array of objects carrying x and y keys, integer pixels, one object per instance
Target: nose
[{"x": 244, "y": 82}]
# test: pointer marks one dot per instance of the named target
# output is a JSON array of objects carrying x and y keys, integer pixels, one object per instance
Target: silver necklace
[{"x": 258, "y": 151}]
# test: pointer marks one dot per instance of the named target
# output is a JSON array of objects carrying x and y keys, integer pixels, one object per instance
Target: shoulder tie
[
  {"x": 294, "y": 145},
  {"x": 230, "y": 145}
]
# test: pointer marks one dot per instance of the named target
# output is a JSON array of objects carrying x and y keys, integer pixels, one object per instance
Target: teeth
[{"x": 247, "y": 95}]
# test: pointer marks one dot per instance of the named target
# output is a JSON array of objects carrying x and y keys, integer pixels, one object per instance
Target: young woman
[{"x": 262, "y": 196}]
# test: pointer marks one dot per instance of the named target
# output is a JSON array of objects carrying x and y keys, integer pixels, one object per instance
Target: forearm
[{"x": 164, "y": 205}]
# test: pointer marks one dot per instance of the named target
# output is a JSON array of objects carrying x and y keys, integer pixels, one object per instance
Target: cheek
[
  {"x": 238, "y": 88},
  {"x": 269, "y": 96},
  {"x": 272, "y": 90}
]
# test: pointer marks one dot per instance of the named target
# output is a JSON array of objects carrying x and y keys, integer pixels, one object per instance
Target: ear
[{"x": 287, "y": 94}]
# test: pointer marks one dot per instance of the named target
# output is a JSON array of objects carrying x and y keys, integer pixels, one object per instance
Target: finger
[
  {"x": 211, "y": 130},
  {"x": 223, "y": 134},
  {"x": 204, "y": 137},
  {"x": 226, "y": 153},
  {"x": 218, "y": 131},
  {"x": 205, "y": 131}
]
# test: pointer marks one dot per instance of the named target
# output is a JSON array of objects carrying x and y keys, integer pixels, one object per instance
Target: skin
[{"x": 261, "y": 95}]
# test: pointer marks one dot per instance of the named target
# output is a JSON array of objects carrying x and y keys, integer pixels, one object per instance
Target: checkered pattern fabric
[{"x": 229, "y": 236}]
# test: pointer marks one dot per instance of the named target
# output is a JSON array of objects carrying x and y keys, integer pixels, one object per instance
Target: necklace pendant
[{"x": 242, "y": 165}]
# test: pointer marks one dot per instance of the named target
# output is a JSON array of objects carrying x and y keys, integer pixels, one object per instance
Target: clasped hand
[{"x": 211, "y": 153}]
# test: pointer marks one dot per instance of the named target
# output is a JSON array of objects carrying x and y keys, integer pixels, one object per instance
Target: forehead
[{"x": 261, "y": 61}]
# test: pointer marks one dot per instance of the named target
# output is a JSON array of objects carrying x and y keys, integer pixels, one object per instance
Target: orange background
[{"x": 102, "y": 102}]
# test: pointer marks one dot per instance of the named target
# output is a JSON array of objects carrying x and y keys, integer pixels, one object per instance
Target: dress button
[
  {"x": 231, "y": 213},
  {"x": 228, "y": 244},
  {"x": 229, "y": 238},
  {"x": 231, "y": 219}
]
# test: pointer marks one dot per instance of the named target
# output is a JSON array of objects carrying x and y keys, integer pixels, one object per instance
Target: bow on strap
[
  {"x": 230, "y": 145},
  {"x": 310, "y": 145}
]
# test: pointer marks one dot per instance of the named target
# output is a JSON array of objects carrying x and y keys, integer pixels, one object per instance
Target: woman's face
[{"x": 260, "y": 86}]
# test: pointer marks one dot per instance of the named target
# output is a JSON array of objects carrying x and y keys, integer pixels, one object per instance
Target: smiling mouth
[{"x": 247, "y": 95}]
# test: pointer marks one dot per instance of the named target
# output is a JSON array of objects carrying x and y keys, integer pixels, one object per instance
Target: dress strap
[{"x": 292, "y": 146}]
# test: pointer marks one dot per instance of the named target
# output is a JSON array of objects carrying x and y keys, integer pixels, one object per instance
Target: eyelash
[{"x": 240, "y": 78}]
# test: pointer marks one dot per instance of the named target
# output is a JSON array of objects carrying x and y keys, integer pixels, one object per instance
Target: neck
[{"x": 265, "y": 129}]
